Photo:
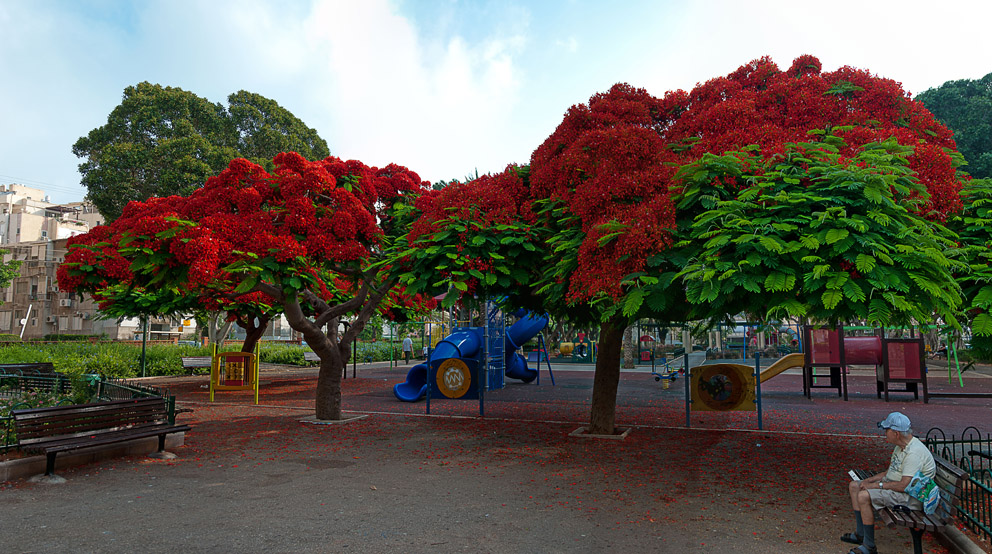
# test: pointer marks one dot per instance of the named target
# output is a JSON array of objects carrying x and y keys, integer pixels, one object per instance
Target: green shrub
[
  {"x": 123, "y": 360},
  {"x": 23, "y": 401},
  {"x": 65, "y": 337}
]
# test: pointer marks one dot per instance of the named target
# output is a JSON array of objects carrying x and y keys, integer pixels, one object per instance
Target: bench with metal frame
[
  {"x": 951, "y": 480},
  {"x": 64, "y": 428},
  {"x": 197, "y": 362}
]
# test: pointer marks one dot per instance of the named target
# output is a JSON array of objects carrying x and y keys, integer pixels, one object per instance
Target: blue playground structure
[{"x": 452, "y": 370}]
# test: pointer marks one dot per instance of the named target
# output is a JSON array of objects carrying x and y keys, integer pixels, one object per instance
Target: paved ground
[{"x": 254, "y": 478}]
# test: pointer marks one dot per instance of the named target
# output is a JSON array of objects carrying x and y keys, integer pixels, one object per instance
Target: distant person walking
[{"x": 407, "y": 349}]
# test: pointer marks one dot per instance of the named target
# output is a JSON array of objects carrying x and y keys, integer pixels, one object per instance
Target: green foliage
[
  {"x": 66, "y": 337},
  {"x": 24, "y": 400},
  {"x": 124, "y": 360},
  {"x": 162, "y": 141},
  {"x": 373, "y": 329},
  {"x": 974, "y": 229},
  {"x": 965, "y": 106},
  {"x": 817, "y": 235},
  {"x": 8, "y": 270}
]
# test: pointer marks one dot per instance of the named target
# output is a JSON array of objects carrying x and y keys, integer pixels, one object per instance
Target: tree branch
[{"x": 358, "y": 324}]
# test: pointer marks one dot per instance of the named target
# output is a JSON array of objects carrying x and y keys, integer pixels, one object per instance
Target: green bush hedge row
[{"x": 124, "y": 360}]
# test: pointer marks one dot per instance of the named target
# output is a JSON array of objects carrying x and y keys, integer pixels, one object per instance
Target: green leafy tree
[
  {"x": 974, "y": 228},
  {"x": 264, "y": 128},
  {"x": 965, "y": 106},
  {"x": 656, "y": 207},
  {"x": 163, "y": 141},
  {"x": 8, "y": 270}
]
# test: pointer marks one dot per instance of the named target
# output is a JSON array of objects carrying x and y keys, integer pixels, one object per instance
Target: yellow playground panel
[
  {"x": 723, "y": 387},
  {"x": 234, "y": 371}
]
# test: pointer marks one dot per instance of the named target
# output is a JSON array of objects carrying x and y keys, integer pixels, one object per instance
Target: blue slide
[{"x": 466, "y": 344}]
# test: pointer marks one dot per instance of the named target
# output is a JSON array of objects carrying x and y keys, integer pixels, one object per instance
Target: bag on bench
[{"x": 925, "y": 490}]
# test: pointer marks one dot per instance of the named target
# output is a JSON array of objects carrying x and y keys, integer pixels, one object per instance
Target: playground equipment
[
  {"x": 231, "y": 371},
  {"x": 791, "y": 361},
  {"x": 584, "y": 351},
  {"x": 896, "y": 361},
  {"x": 452, "y": 371},
  {"x": 670, "y": 370},
  {"x": 783, "y": 364}
]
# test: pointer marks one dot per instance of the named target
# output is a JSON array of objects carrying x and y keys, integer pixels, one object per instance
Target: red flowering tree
[
  {"x": 306, "y": 240},
  {"x": 657, "y": 207}
]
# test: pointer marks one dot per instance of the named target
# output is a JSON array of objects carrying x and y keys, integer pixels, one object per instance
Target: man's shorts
[{"x": 887, "y": 498}]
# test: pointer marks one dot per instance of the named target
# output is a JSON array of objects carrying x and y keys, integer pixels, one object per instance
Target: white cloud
[
  {"x": 440, "y": 87},
  {"x": 390, "y": 100}
]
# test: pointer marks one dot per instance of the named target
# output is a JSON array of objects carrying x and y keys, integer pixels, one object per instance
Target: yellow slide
[{"x": 786, "y": 362}]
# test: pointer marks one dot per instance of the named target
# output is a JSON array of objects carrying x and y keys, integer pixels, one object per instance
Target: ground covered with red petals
[{"x": 255, "y": 477}]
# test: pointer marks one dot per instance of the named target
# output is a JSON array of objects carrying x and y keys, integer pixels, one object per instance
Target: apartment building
[{"x": 35, "y": 231}]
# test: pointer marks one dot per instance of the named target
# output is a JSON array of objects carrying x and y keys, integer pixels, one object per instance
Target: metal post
[
  {"x": 757, "y": 384},
  {"x": 144, "y": 346},
  {"x": 688, "y": 392},
  {"x": 484, "y": 369}
]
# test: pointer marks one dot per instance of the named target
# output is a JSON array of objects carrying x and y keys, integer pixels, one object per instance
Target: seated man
[{"x": 886, "y": 489}]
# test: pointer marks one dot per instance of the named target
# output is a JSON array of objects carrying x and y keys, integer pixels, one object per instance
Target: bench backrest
[
  {"x": 36, "y": 368},
  {"x": 197, "y": 361},
  {"x": 82, "y": 420},
  {"x": 951, "y": 480}
]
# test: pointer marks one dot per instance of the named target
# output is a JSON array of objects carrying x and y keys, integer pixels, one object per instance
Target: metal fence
[{"x": 972, "y": 452}]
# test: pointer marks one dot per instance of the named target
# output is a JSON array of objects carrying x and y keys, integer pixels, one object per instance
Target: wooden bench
[
  {"x": 65, "y": 428},
  {"x": 34, "y": 369},
  {"x": 310, "y": 357},
  {"x": 38, "y": 376},
  {"x": 197, "y": 362},
  {"x": 951, "y": 480}
]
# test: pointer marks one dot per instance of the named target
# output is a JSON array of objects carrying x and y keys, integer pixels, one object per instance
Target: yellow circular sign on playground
[
  {"x": 723, "y": 387},
  {"x": 453, "y": 378}
]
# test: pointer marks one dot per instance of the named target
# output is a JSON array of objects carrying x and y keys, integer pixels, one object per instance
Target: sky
[{"x": 444, "y": 87}]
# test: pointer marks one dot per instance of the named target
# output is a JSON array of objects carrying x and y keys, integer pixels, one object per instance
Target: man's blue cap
[{"x": 896, "y": 421}]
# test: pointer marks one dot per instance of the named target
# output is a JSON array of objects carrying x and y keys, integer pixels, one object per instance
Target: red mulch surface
[{"x": 720, "y": 484}]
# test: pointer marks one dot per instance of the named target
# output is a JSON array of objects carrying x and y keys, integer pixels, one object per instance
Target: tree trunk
[
  {"x": 253, "y": 333},
  {"x": 629, "y": 346},
  {"x": 328, "y": 401},
  {"x": 607, "y": 377}
]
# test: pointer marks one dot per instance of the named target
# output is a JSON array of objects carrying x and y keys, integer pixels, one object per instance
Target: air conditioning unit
[
  {"x": 50, "y": 319},
  {"x": 65, "y": 302},
  {"x": 85, "y": 316}
]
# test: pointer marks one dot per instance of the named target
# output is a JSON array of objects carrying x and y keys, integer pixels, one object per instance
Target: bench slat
[
  {"x": 34, "y": 425},
  {"x": 71, "y": 443},
  {"x": 129, "y": 434}
]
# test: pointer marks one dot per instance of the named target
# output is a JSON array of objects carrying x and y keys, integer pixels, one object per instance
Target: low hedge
[{"x": 123, "y": 360}]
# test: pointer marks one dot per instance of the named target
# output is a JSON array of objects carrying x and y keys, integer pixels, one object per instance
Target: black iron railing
[{"x": 972, "y": 452}]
